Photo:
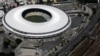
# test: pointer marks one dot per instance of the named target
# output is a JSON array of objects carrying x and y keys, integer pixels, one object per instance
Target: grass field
[{"x": 36, "y": 19}]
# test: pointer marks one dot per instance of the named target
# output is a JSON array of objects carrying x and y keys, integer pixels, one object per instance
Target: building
[
  {"x": 35, "y": 25},
  {"x": 1, "y": 14},
  {"x": 2, "y": 1}
]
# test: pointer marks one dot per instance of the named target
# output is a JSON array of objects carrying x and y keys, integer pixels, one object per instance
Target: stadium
[{"x": 36, "y": 21}]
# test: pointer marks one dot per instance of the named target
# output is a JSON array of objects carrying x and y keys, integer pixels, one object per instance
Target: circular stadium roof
[{"x": 52, "y": 21}]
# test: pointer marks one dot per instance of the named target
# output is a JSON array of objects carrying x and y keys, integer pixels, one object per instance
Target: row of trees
[
  {"x": 41, "y": 2},
  {"x": 88, "y": 1},
  {"x": 7, "y": 54}
]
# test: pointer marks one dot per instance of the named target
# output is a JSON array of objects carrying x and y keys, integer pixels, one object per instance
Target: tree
[
  {"x": 2, "y": 54},
  {"x": 18, "y": 41},
  {"x": 11, "y": 54}
]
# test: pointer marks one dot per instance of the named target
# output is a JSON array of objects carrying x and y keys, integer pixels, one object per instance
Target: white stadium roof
[{"x": 15, "y": 22}]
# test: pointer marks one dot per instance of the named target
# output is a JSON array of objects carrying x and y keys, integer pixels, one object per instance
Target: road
[{"x": 1, "y": 42}]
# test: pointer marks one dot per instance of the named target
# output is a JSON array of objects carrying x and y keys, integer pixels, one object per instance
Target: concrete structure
[
  {"x": 46, "y": 22},
  {"x": 1, "y": 14}
]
